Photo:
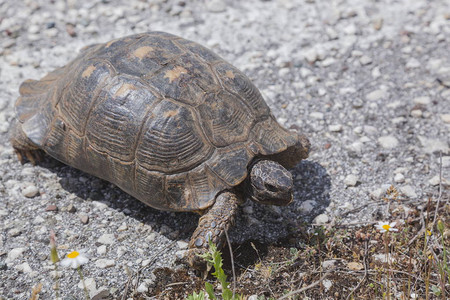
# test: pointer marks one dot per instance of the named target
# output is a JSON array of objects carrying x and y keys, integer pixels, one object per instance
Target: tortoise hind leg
[
  {"x": 211, "y": 227},
  {"x": 22, "y": 145}
]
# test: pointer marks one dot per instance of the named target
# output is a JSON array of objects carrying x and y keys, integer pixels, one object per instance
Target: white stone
[
  {"x": 408, "y": 191},
  {"x": 253, "y": 297},
  {"x": 416, "y": 113},
  {"x": 107, "y": 239},
  {"x": 123, "y": 227},
  {"x": 445, "y": 118},
  {"x": 376, "y": 95},
  {"x": 182, "y": 245},
  {"x": 105, "y": 263},
  {"x": 327, "y": 284},
  {"x": 435, "y": 180},
  {"x": 383, "y": 258},
  {"x": 14, "y": 254},
  {"x": 328, "y": 264},
  {"x": 181, "y": 254},
  {"x": 376, "y": 72},
  {"x": 90, "y": 284},
  {"x": 321, "y": 219},
  {"x": 216, "y": 6},
  {"x": 142, "y": 288},
  {"x": 377, "y": 193},
  {"x": 335, "y": 128},
  {"x": 412, "y": 63},
  {"x": 146, "y": 262},
  {"x": 365, "y": 60},
  {"x": 433, "y": 145},
  {"x": 101, "y": 250},
  {"x": 399, "y": 178},
  {"x": 311, "y": 55},
  {"x": 24, "y": 268},
  {"x": 388, "y": 142},
  {"x": 351, "y": 180},
  {"x": 30, "y": 191},
  {"x": 316, "y": 115},
  {"x": 423, "y": 100},
  {"x": 307, "y": 206}
]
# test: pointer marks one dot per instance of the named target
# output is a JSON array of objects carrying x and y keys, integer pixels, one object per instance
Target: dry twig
[{"x": 306, "y": 287}]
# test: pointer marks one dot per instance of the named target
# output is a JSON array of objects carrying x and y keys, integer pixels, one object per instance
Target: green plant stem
[{"x": 82, "y": 280}]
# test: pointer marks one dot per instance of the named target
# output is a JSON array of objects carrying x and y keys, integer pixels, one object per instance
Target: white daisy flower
[
  {"x": 385, "y": 226},
  {"x": 75, "y": 259}
]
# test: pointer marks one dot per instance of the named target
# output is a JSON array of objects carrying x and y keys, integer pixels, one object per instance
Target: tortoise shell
[{"x": 163, "y": 118}]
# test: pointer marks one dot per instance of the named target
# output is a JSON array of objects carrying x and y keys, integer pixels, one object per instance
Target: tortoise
[{"x": 169, "y": 122}]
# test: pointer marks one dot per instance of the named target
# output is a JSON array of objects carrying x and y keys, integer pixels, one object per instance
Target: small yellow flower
[
  {"x": 75, "y": 259},
  {"x": 385, "y": 226}
]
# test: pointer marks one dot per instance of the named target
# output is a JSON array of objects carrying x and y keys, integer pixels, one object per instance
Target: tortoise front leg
[
  {"x": 212, "y": 226},
  {"x": 22, "y": 145}
]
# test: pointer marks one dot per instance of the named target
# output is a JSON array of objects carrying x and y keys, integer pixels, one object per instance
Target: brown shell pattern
[{"x": 163, "y": 118}]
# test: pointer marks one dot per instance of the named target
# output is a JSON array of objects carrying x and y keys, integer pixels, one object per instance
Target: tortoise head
[{"x": 270, "y": 183}]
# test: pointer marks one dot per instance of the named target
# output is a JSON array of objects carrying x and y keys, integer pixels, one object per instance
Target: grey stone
[
  {"x": 335, "y": 128},
  {"x": 431, "y": 145},
  {"x": 408, "y": 191},
  {"x": 399, "y": 178},
  {"x": 376, "y": 95},
  {"x": 351, "y": 180},
  {"x": 14, "y": 254},
  {"x": 328, "y": 264},
  {"x": 321, "y": 219},
  {"x": 388, "y": 142},
  {"x": 424, "y": 100},
  {"x": 105, "y": 263},
  {"x": 182, "y": 245},
  {"x": 101, "y": 250},
  {"x": 30, "y": 191},
  {"x": 107, "y": 239}
]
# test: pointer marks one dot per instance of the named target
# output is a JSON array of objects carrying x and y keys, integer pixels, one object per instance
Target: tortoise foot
[{"x": 33, "y": 156}]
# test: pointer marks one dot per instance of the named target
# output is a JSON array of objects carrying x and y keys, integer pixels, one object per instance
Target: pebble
[
  {"x": 123, "y": 227},
  {"x": 253, "y": 297},
  {"x": 365, "y": 60},
  {"x": 216, "y": 6},
  {"x": 335, "y": 128},
  {"x": 388, "y": 142},
  {"x": 328, "y": 264},
  {"x": 71, "y": 208},
  {"x": 24, "y": 268},
  {"x": 100, "y": 294},
  {"x": 90, "y": 284},
  {"x": 307, "y": 206},
  {"x": 106, "y": 239},
  {"x": 351, "y": 180},
  {"x": 416, "y": 113},
  {"x": 101, "y": 250},
  {"x": 408, "y": 191},
  {"x": 435, "y": 180},
  {"x": 423, "y": 100},
  {"x": 412, "y": 63},
  {"x": 321, "y": 219},
  {"x": 377, "y": 193},
  {"x": 84, "y": 219},
  {"x": 399, "y": 178},
  {"x": 376, "y": 95},
  {"x": 431, "y": 145},
  {"x": 327, "y": 284},
  {"x": 14, "y": 254},
  {"x": 51, "y": 207},
  {"x": 105, "y": 263},
  {"x": 142, "y": 288},
  {"x": 445, "y": 118},
  {"x": 316, "y": 115},
  {"x": 182, "y": 245},
  {"x": 30, "y": 191}
]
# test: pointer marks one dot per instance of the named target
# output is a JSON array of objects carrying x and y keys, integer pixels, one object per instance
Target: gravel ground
[{"x": 367, "y": 81}]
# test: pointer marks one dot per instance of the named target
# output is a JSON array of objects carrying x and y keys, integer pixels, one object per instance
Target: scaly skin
[{"x": 212, "y": 226}]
